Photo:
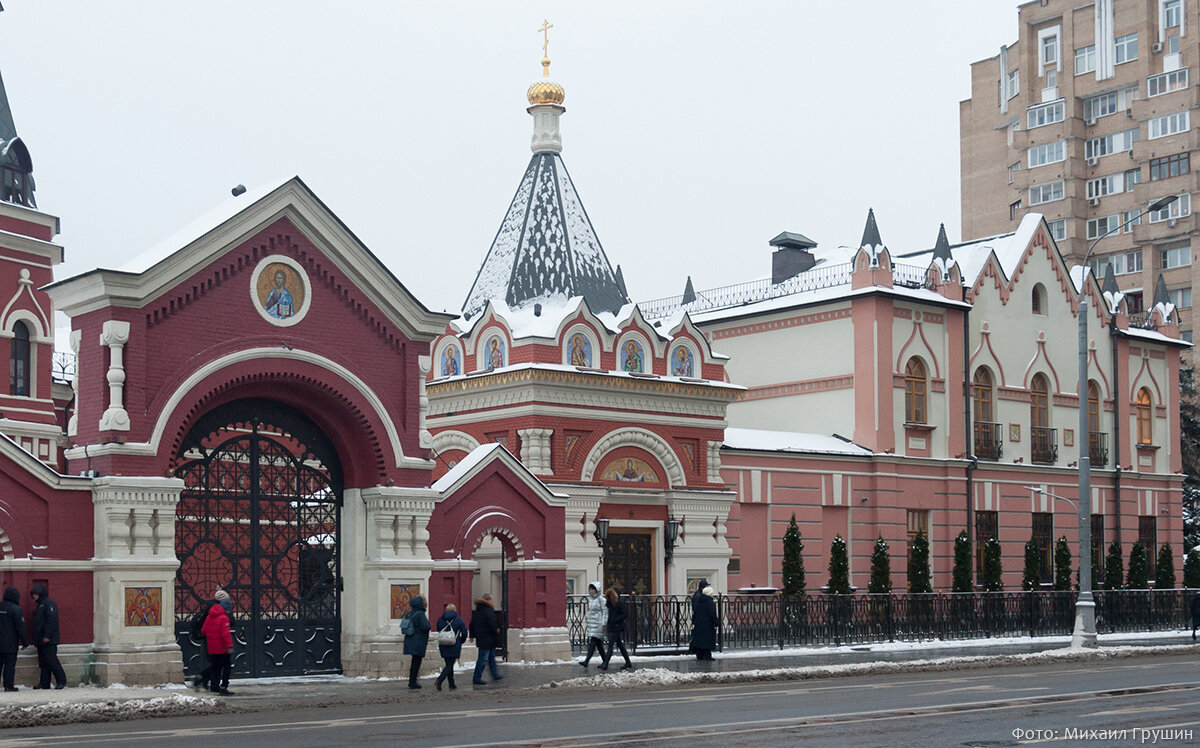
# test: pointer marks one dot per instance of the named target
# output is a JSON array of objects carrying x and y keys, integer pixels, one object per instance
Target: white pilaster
[
  {"x": 547, "y": 138},
  {"x": 73, "y": 422},
  {"x": 115, "y": 334},
  {"x": 535, "y": 450}
]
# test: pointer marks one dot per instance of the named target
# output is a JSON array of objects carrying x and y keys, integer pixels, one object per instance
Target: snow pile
[
  {"x": 665, "y": 677},
  {"x": 112, "y": 710}
]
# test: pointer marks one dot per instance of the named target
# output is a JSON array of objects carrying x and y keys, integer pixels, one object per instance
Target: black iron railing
[
  {"x": 663, "y": 623},
  {"x": 1044, "y": 444},
  {"x": 1098, "y": 448},
  {"x": 988, "y": 444}
]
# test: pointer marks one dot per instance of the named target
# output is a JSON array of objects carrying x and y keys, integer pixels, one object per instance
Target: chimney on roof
[{"x": 791, "y": 257}]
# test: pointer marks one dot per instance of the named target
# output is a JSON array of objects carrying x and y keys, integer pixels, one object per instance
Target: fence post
[
  {"x": 720, "y": 623},
  {"x": 780, "y": 614},
  {"x": 891, "y": 621}
]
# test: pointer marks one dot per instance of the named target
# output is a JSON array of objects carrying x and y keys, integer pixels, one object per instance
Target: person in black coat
[
  {"x": 46, "y": 638},
  {"x": 616, "y": 628},
  {"x": 485, "y": 630},
  {"x": 1195, "y": 615},
  {"x": 12, "y": 635},
  {"x": 704, "y": 622},
  {"x": 452, "y": 622},
  {"x": 417, "y": 642}
]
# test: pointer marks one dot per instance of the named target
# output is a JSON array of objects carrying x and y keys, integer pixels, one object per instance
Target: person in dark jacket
[
  {"x": 46, "y": 638},
  {"x": 485, "y": 630},
  {"x": 704, "y": 622},
  {"x": 218, "y": 640},
  {"x": 616, "y": 628},
  {"x": 1195, "y": 615},
  {"x": 450, "y": 621},
  {"x": 12, "y": 635},
  {"x": 417, "y": 642}
]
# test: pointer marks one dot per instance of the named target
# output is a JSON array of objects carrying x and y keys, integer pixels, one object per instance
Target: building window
[
  {"x": 1126, "y": 48},
  {"x": 1047, "y": 153},
  {"x": 1095, "y": 107},
  {"x": 987, "y": 525},
  {"x": 1046, "y": 193},
  {"x": 1164, "y": 83},
  {"x": 1168, "y": 124},
  {"x": 1129, "y": 219},
  {"x": 1043, "y": 535},
  {"x": 1117, "y": 142},
  {"x": 1037, "y": 299},
  {"x": 983, "y": 395},
  {"x": 1186, "y": 335},
  {"x": 1181, "y": 207},
  {"x": 1122, "y": 263},
  {"x": 987, "y": 433},
  {"x": 914, "y": 391},
  {"x": 1133, "y": 301},
  {"x": 18, "y": 361},
  {"x": 1049, "y": 55},
  {"x": 1014, "y": 210},
  {"x": 1172, "y": 13},
  {"x": 1085, "y": 60},
  {"x": 1042, "y": 441},
  {"x": 1145, "y": 417},
  {"x": 1176, "y": 257},
  {"x": 1012, "y": 85},
  {"x": 1046, "y": 114},
  {"x": 1106, "y": 185},
  {"x": 1058, "y": 229},
  {"x": 1148, "y": 536},
  {"x": 1169, "y": 166},
  {"x": 1013, "y": 168},
  {"x": 918, "y": 524},
  {"x": 1098, "y": 227},
  {"x": 1132, "y": 177},
  {"x": 1093, "y": 406}
]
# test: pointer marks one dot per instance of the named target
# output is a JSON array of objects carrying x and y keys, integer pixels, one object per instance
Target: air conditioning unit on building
[
  {"x": 1093, "y": 201},
  {"x": 1093, "y": 160},
  {"x": 1129, "y": 111},
  {"x": 1172, "y": 221},
  {"x": 1089, "y": 121},
  {"x": 1157, "y": 47}
]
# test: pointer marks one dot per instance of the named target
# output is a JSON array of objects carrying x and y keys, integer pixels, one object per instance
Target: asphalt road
[{"x": 1053, "y": 703}]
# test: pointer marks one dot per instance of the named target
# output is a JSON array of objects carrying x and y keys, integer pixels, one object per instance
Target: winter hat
[
  {"x": 221, "y": 595},
  {"x": 710, "y": 592}
]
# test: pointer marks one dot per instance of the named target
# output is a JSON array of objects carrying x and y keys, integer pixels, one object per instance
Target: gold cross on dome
[{"x": 545, "y": 29}]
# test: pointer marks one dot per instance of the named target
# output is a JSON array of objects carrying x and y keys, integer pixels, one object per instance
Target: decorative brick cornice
[
  {"x": 800, "y": 387},
  {"x": 781, "y": 324}
]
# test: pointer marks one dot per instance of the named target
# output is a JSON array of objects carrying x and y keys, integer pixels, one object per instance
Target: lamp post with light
[{"x": 1084, "y": 634}]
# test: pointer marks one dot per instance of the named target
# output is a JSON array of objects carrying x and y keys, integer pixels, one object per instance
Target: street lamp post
[{"x": 1084, "y": 634}]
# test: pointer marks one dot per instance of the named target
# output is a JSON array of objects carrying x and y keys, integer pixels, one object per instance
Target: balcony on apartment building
[
  {"x": 1098, "y": 448},
  {"x": 988, "y": 442},
  {"x": 1043, "y": 444}
]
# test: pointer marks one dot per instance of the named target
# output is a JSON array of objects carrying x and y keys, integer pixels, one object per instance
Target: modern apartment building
[{"x": 1088, "y": 118}]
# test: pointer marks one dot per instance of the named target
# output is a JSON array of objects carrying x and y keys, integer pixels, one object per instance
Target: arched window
[
  {"x": 18, "y": 361},
  {"x": 1038, "y": 299},
  {"x": 1145, "y": 417},
  {"x": 983, "y": 395},
  {"x": 1039, "y": 398},
  {"x": 1093, "y": 406},
  {"x": 914, "y": 391}
]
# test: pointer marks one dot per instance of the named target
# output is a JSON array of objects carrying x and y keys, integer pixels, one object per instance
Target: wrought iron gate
[{"x": 260, "y": 517}]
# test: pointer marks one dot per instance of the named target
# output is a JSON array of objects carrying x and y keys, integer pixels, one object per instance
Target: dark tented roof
[{"x": 871, "y": 231}]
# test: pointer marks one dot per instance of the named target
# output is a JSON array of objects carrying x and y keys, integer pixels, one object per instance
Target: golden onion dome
[{"x": 545, "y": 91}]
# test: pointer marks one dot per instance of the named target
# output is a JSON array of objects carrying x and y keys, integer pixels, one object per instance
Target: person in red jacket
[{"x": 218, "y": 638}]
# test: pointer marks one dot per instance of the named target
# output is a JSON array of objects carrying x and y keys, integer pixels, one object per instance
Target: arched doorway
[{"x": 260, "y": 517}]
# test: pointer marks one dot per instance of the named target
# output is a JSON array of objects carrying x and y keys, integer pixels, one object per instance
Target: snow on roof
[
  {"x": 1158, "y": 337},
  {"x": 790, "y": 441},
  {"x": 596, "y": 372},
  {"x": 199, "y": 227},
  {"x": 831, "y": 293},
  {"x": 465, "y": 465}
]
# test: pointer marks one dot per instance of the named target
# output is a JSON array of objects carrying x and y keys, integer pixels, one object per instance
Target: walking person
[
  {"x": 595, "y": 621},
  {"x": 616, "y": 628},
  {"x": 704, "y": 622},
  {"x": 1195, "y": 614},
  {"x": 12, "y": 635},
  {"x": 485, "y": 630},
  {"x": 452, "y": 632},
  {"x": 218, "y": 640},
  {"x": 416, "y": 639},
  {"x": 46, "y": 638}
]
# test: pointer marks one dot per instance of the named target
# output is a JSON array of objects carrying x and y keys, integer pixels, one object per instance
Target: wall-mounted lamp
[
  {"x": 601, "y": 533},
  {"x": 673, "y": 526},
  {"x": 864, "y": 499}
]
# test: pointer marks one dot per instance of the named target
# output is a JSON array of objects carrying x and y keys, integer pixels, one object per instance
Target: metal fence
[{"x": 663, "y": 623}]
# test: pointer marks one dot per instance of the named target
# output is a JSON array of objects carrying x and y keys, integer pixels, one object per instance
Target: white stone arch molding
[
  {"x": 41, "y": 328},
  {"x": 160, "y": 425},
  {"x": 587, "y": 332},
  {"x": 37, "y": 331},
  {"x": 642, "y": 439},
  {"x": 447, "y": 440}
]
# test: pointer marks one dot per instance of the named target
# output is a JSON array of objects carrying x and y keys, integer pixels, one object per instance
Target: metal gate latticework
[{"x": 259, "y": 517}]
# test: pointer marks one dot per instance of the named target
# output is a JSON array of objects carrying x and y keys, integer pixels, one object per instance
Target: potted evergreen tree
[{"x": 1062, "y": 564}]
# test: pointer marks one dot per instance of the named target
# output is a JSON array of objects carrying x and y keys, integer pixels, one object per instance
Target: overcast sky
[{"x": 695, "y": 131}]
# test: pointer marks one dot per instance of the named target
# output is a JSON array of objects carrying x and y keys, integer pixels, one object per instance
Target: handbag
[{"x": 447, "y": 636}]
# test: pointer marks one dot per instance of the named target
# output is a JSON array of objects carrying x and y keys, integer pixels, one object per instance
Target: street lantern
[
  {"x": 601, "y": 533},
  {"x": 673, "y": 526}
]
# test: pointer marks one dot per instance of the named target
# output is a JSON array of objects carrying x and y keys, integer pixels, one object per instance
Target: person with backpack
[
  {"x": 415, "y": 628},
  {"x": 616, "y": 628},
  {"x": 46, "y": 639},
  {"x": 485, "y": 630},
  {"x": 12, "y": 635},
  {"x": 218, "y": 640},
  {"x": 452, "y": 632}
]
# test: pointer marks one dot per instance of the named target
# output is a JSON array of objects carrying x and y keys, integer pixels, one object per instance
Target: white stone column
[
  {"x": 73, "y": 422},
  {"x": 115, "y": 334},
  {"x": 134, "y": 569},
  {"x": 384, "y": 545},
  {"x": 425, "y": 439},
  {"x": 535, "y": 450}
]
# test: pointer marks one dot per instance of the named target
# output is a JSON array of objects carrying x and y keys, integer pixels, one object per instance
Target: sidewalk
[{"x": 29, "y": 707}]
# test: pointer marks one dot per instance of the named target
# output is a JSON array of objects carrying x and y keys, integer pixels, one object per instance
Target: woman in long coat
[
  {"x": 616, "y": 628},
  {"x": 417, "y": 642},
  {"x": 704, "y": 622},
  {"x": 595, "y": 620}
]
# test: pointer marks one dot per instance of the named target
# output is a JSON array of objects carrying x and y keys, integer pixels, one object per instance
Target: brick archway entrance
[{"x": 259, "y": 516}]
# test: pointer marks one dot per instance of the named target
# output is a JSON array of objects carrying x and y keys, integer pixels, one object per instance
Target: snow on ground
[
  {"x": 665, "y": 677},
  {"x": 63, "y": 712}
]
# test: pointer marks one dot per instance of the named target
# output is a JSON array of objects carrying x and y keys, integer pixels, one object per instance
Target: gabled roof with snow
[
  {"x": 482, "y": 456},
  {"x": 546, "y": 247},
  {"x": 972, "y": 256},
  {"x": 760, "y": 440}
]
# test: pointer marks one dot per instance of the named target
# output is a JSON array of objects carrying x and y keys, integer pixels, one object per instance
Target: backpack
[
  {"x": 195, "y": 628},
  {"x": 407, "y": 627}
]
